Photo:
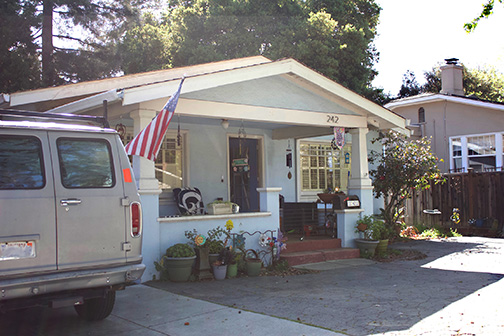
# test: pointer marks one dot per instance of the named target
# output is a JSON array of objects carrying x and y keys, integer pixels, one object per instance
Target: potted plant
[
  {"x": 253, "y": 262},
  {"x": 176, "y": 265},
  {"x": 224, "y": 260},
  {"x": 220, "y": 207},
  {"x": 232, "y": 270},
  {"x": 380, "y": 232},
  {"x": 367, "y": 244}
]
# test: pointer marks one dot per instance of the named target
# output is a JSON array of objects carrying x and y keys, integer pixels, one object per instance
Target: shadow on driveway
[{"x": 377, "y": 298}]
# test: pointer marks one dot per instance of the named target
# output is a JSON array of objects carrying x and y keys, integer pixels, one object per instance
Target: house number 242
[{"x": 332, "y": 119}]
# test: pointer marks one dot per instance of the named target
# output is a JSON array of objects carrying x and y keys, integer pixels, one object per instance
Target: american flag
[{"x": 148, "y": 141}]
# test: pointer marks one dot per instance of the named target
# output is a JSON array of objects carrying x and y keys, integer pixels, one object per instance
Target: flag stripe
[{"x": 148, "y": 142}]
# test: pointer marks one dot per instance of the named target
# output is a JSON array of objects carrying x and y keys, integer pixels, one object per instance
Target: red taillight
[{"x": 136, "y": 219}]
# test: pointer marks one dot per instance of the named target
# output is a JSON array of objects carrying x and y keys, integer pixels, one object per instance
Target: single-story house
[
  {"x": 246, "y": 130},
  {"x": 466, "y": 132}
]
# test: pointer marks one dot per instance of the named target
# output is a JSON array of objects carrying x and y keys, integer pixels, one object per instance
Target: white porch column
[
  {"x": 269, "y": 199},
  {"x": 360, "y": 183},
  {"x": 143, "y": 168},
  {"x": 149, "y": 191}
]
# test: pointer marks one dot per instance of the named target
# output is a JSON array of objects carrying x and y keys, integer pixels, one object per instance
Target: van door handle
[{"x": 70, "y": 201}]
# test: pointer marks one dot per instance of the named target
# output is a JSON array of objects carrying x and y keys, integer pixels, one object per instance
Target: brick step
[
  {"x": 311, "y": 245},
  {"x": 309, "y": 257}
]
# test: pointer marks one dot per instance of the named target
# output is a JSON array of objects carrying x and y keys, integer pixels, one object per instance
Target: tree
[
  {"x": 404, "y": 166},
  {"x": 410, "y": 86},
  {"x": 43, "y": 29},
  {"x": 485, "y": 13},
  {"x": 19, "y": 65},
  {"x": 485, "y": 83},
  {"x": 333, "y": 37},
  {"x": 145, "y": 47}
]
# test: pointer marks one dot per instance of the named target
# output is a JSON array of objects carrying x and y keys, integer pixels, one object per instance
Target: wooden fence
[{"x": 479, "y": 197}]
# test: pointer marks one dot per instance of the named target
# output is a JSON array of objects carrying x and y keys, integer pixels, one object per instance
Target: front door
[
  {"x": 88, "y": 186},
  {"x": 244, "y": 173}
]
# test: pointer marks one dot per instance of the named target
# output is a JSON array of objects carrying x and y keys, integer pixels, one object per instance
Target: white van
[{"x": 70, "y": 214}]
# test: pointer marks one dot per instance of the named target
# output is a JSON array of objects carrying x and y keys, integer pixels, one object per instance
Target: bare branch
[{"x": 70, "y": 38}]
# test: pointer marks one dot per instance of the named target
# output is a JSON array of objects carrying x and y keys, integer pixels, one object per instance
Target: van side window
[
  {"x": 21, "y": 163},
  {"x": 85, "y": 163}
]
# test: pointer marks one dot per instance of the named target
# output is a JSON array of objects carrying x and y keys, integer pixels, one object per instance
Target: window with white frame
[
  {"x": 480, "y": 152},
  {"x": 170, "y": 163},
  {"x": 456, "y": 148},
  {"x": 323, "y": 167}
]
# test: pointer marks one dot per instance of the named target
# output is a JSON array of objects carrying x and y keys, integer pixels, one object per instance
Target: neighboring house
[
  {"x": 251, "y": 108},
  {"x": 466, "y": 132}
]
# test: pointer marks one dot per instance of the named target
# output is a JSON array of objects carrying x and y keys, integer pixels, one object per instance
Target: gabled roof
[{"x": 228, "y": 83}]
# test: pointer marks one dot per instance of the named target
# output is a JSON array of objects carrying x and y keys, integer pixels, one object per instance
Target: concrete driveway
[{"x": 456, "y": 290}]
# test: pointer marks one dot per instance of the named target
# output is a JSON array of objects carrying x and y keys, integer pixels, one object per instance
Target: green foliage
[
  {"x": 380, "y": 231},
  {"x": 404, "y": 166},
  {"x": 33, "y": 54},
  {"x": 423, "y": 231},
  {"x": 375, "y": 229},
  {"x": 145, "y": 47},
  {"x": 431, "y": 233},
  {"x": 332, "y": 37},
  {"x": 19, "y": 64},
  {"x": 485, "y": 13},
  {"x": 485, "y": 83},
  {"x": 213, "y": 241},
  {"x": 180, "y": 250}
]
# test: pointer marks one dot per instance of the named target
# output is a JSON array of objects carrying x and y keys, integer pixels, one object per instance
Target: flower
[{"x": 229, "y": 225}]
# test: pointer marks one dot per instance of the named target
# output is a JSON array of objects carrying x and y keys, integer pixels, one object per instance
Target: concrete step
[
  {"x": 312, "y": 244},
  {"x": 315, "y": 256}
]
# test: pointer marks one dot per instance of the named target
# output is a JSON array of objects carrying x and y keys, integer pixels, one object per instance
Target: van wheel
[{"x": 96, "y": 309}]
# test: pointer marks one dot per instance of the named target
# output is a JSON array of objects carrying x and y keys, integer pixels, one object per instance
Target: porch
[{"x": 276, "y": 117}]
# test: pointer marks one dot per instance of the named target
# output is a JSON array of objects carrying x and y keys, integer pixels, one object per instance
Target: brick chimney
[{"x": 451, "y": 78}]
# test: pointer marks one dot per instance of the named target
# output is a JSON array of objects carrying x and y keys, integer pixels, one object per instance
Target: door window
[
  {"x": 21, "y": 163},
  {"x": 85, "y": 163}
]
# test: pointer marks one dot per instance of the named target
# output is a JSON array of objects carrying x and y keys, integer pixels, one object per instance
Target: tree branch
[{"x": 70, "y": 38}]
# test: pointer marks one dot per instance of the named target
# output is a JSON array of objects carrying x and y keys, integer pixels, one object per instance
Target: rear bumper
[{"x": 31, "y": 286}]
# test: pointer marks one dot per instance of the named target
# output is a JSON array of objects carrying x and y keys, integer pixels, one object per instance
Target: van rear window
[
  {"x": 85, "y": 163},
  {"x": 21, "y": 162}
]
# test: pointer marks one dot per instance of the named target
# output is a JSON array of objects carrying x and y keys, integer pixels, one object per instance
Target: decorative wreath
[
  {"x": 264, "y": 240},
  {"x": 200, "y": 240}
]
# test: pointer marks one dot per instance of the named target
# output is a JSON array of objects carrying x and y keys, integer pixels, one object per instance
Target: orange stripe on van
[{"x": 127, "y": 175}]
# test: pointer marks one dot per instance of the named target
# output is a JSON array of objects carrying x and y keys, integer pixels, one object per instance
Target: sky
[{"x": 418, "y": 35}]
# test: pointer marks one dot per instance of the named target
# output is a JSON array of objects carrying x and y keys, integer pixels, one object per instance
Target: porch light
[{"x": 225, "y": 123}]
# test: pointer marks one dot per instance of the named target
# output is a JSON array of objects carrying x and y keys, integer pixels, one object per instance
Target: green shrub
[{"x": 180, "y": 251}]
